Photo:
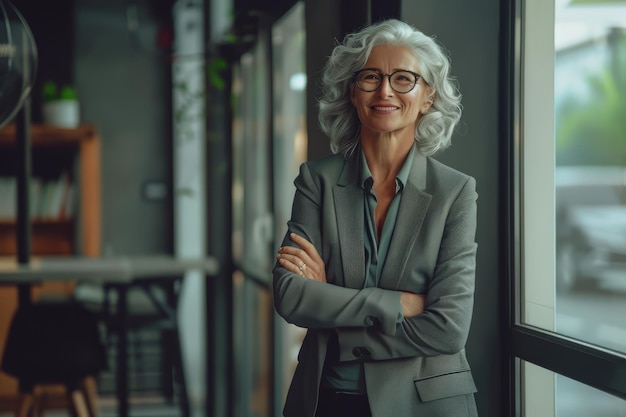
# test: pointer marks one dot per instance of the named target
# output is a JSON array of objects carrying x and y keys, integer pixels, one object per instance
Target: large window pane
[
  {"x": 574, "y": 170},
  {"x": 574, "y": 399},
  {"x": 550, "y": 394},
  {"x": 590, "y": 172}
]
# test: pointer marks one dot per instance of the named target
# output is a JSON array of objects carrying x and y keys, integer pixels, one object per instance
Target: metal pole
[{"x": 23, "y": 231}]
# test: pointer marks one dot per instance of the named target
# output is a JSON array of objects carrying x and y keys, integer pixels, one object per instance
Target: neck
[{"x": 385, "y": 153}]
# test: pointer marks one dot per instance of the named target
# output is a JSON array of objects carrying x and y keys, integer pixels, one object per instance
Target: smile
[{"x": 384, "y": 108}]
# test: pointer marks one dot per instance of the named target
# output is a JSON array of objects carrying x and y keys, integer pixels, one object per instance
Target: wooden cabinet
[{"x": 58, "y": 157}]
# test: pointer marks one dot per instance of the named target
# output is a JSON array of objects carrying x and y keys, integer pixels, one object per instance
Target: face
[{"x": 385, "y": 110}]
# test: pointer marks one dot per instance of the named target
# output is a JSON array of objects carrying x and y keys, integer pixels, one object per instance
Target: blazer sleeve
[
  {"x": 313, "y": 304},
  {"x": 444, "y": 325}
]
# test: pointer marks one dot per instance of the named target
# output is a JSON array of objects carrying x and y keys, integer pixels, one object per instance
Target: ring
[{"x": 303, "y": 267}]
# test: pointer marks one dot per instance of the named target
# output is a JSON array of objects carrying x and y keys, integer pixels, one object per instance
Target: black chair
[{"x": 55, "y": 343}]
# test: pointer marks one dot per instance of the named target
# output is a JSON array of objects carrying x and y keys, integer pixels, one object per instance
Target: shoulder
[
  {"x": 439, "y": 168},
  {"x": 329, "y": 167},
  {"x": 443, "y": 177},
  {"x": 328, "y": 163}
]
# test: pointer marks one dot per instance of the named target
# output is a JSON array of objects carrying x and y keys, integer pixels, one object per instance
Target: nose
[{"x": 385, "y": 89}]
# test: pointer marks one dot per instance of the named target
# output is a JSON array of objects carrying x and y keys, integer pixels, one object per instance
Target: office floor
[{"x": 138, "y": 408}]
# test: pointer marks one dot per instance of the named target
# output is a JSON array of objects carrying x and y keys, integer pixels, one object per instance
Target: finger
[
  {"x": 311, "y": 258},
  {"x": 292, "y": 253},
  {"x": 308, "y": 247},
  {"x": 290, "y": 266},
  {"x": 296, "y": 264},
  {"x": 293, "y": 259}
]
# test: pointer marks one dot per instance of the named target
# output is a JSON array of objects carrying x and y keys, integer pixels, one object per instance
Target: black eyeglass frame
[{"x": 355, "y": 76}]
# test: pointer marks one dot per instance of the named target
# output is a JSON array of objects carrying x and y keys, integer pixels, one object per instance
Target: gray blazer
[{"x": 414, "y": 368}]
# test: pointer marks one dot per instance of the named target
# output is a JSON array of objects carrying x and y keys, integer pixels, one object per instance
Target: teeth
[{"x": 384, "y": 108}]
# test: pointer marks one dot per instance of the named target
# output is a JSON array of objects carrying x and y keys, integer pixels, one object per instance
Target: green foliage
[
  {"x": 51, "y": 92},
  {"x": 593, "y": 131},
  {"x": 67, "y": 93},
  {"x": 214, "y": 68}
]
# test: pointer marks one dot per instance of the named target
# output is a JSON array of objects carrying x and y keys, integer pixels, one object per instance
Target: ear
[{"x": 429, "y": 100}]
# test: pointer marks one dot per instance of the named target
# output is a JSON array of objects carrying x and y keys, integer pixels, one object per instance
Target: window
[
  {"x": 289, "y": 151},
  {"x": 569, "y": 173},
  {"x": 269, "y": 143}
]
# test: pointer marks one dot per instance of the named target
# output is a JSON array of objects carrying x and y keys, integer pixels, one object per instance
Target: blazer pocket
[{"x": 446, "y": 385}]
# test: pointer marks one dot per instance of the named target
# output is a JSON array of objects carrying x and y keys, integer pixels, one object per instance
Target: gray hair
[{"x": 338, "y": 117}]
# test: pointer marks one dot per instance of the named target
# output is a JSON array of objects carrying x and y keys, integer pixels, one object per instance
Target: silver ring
[{"x": 303, "y": 267}]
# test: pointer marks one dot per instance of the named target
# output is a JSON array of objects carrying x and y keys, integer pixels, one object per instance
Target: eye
[
  {"x": 404, "y": 77},
  {"x": 370, "y": 76}
]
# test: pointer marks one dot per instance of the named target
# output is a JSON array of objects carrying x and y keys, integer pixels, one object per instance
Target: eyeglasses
[{"x": 401, "y": 81}]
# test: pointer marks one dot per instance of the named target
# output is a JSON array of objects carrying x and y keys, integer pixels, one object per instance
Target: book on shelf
[
  {"x": 49, "y": 199},
  {"x": 7, "y": 198}
]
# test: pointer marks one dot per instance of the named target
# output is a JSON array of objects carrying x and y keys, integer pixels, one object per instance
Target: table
[{"x": 119, "y": 274}]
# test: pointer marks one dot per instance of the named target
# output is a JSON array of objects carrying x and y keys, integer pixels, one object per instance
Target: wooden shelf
[
  {"x": 85, "y": 141},
  {"x": 47, "y": 135},
  {"x": 49, "y": 237}
]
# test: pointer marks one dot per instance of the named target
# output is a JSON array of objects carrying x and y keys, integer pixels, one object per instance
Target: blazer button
[
  {"x": 361, "y": 352},
  {"x": 372, "y": 321}
]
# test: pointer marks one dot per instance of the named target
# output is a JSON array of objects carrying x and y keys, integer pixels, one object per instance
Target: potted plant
[{"x": 60, "y": 106}]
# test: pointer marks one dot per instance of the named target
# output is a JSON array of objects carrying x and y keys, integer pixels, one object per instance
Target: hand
[
  {"x": 412, "y": 304},
  {"x": 303, "y": 260}
]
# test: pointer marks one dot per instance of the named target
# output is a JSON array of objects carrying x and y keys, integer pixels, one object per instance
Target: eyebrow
[{"x": 393, "y": 70}]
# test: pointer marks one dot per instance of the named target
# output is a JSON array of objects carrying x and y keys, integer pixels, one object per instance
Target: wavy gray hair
[{"x": 338, "y": 117}]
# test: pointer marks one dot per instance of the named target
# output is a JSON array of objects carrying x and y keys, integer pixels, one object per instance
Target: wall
[{"x": 123, "y": 81}]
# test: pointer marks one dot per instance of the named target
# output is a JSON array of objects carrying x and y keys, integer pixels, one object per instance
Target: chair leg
[
  {"x": 89, "y": 387},
  {"x": 78, "y": 405},
  {"x": 25, "y": 404},
  {"x": 40, "y": 404}
]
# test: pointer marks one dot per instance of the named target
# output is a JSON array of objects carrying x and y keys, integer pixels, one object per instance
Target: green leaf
[
  {"x": 49, "y": 91},
  {"x": 67, "y": 93},
  {"x": 214, "y": 67}
]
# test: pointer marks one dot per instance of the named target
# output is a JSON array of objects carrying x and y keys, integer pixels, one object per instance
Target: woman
[{"x": 379, "y": 259}]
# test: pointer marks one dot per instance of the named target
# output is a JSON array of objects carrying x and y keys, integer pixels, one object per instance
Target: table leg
[{"x": 122, "y": 352}]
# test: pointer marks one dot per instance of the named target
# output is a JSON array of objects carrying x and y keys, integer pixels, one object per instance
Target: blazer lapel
[
  {"x": 413, "y": 208},
  {"x": 350, "y": 220}
]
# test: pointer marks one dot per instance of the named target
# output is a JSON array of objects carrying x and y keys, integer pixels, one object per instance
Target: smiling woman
[{"x": 378, "y": 259}]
